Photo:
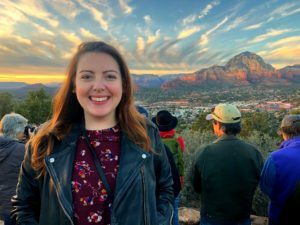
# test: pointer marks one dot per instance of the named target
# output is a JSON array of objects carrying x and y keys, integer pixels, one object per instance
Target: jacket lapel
[
  {"x": 59, "y": 165},
  {"x": 131, "y": 160}
]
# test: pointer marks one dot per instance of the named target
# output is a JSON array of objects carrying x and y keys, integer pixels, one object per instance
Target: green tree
[
  {"x": 6, "y": 104},
  {"x": 36, "y": 107},
  {"x": 201, "y": 124},
  {"x": 264, "y": 122}
]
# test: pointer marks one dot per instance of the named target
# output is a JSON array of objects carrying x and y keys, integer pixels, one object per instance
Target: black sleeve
[
  {"x": 26, "y": 202},
  {"x": 164, "y": 182}
]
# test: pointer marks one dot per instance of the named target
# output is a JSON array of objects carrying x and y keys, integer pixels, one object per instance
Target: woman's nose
[
  {"x": 98, "y": 89},
  {"x": 98, "y": 85}
]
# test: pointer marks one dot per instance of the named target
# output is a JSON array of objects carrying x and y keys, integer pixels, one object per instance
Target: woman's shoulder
[
  {"x": 152, "y": 130},
  {"x": 151, "y": 126}
]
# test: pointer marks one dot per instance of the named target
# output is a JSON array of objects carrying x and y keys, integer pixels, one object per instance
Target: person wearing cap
[
  {"x": 226, "y": 172},
  {"x": 166, "y": 124},
  {"x": 12, "y": 151},
  {"x": 280, "y": 177}
]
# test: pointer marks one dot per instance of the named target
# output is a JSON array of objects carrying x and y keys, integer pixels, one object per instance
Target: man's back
[
  {"x": 11, "y": 156},
  {"x": 229, "y": 171}
]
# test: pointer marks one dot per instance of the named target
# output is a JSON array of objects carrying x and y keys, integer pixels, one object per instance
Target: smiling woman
[{"x": 97, "y": 160}]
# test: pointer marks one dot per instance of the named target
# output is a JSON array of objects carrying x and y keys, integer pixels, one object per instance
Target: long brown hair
[{"x": 67, "y": 110}]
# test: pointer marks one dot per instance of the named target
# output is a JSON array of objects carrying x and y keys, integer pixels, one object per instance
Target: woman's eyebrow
[
  {"x": 84, "y": 71},
  {"x": 107, "y": 71}
]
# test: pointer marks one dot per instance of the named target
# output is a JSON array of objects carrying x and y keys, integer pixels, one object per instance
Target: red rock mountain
[
  {"x": 243, "y": 69},
  {"x": 291, "y": 73}
]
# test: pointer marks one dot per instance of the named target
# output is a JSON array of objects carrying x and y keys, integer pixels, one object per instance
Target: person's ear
[{"x": 223, "y": 128}]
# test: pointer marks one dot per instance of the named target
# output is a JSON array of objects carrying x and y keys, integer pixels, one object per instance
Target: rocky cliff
[{"x": 243, "y": 69}]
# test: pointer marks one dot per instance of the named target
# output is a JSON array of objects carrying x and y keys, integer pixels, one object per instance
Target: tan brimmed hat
[{"x": 225, "y": 113}]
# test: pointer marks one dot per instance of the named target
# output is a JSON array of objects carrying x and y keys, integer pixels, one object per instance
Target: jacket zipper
[
  {"x": 144, "y": 196},
  {"x": 128, "y": 182},
  {"x": 171, "y": 219},
  {"x": 59, "y": 200}
]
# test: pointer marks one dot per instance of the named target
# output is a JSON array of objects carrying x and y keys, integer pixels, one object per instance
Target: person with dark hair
[
  {"x": 280, "y": 177},
  {"x": 12, "y": 150},
  {"x": 166, "y": 124},
  {"x": 97, "y": 161},
  {"x": 226, "y": 172}
]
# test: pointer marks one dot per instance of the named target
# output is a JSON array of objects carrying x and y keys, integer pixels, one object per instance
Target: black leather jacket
[{"x": 48, "y": 200}]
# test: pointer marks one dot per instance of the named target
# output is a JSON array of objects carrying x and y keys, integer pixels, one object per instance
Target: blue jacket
[
  {"x": 143, "y": 194},
  {"x": 280, "y": 174}
]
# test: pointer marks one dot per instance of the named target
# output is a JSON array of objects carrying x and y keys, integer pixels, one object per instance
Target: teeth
[{"x": 99, "y": 99}]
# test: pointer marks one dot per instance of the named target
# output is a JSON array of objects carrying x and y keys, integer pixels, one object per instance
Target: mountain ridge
[{"x": 244, "y": 69}]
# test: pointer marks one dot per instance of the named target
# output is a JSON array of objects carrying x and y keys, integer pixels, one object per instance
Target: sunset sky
[{"x": 37, "y": 37}]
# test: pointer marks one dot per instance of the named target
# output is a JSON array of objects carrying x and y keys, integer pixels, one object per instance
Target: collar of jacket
[
  {"x": 59, "y": 165},
  {"x": 295, "y": 141},
  {"x": 226, "y": 137}
]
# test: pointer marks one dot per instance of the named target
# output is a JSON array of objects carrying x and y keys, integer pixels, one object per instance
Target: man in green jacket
[{"x": 226, "y": 172}]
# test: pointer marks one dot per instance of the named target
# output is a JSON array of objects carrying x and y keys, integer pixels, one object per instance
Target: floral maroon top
[{"x": 90, "y": 199}]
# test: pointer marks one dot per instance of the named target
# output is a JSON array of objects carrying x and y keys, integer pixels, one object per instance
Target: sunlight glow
[{"x": 31, "y": 78}]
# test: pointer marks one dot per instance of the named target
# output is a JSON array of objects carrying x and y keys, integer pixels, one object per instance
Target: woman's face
[{"x": 98, "y": 87}]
